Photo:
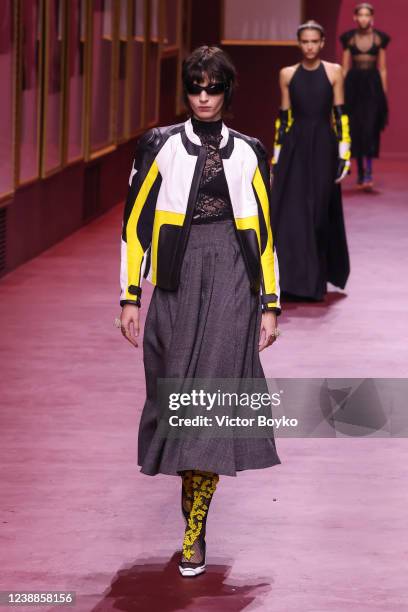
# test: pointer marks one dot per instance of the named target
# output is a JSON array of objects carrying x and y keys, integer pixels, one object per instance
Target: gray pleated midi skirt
[{"x": 208, "y": 328}]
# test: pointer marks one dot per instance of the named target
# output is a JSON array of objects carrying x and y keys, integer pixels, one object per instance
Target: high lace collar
[
  {"x": 195, "y": 139},
  {"x": 206, "y": 127}
]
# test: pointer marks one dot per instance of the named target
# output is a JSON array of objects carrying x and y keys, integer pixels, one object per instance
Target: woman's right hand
[{"x": 129, "y": 323}]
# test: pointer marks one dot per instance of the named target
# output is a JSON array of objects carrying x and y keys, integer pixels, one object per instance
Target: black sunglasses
[{"x": 213, "y": 89}]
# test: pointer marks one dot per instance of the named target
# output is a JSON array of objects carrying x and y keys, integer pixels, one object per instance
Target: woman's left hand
[{"x": 268, "y": 327}]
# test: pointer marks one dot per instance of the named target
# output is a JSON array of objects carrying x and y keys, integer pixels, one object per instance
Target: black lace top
[
  {"x": 364, "y": 50},
  {"x": 213, "y": 202}
]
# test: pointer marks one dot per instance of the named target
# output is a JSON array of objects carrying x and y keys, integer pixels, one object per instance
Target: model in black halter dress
[{"x": 307, "y": 213}]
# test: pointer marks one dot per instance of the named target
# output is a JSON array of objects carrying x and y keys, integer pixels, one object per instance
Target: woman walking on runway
[
  {"x": 311, "y": 157},
  {"x": 364, "y": 66},
  {"x": 196, "y": 223}
]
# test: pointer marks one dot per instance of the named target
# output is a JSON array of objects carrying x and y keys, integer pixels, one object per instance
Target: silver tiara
[
  {"x": 362, "y": 5},
  {"x": 310, "y": 25}
]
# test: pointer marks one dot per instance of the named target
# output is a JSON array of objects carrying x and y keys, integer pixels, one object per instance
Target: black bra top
[{"x": 366, "y": 58}]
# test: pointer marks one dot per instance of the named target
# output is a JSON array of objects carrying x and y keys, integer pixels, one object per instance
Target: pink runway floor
[{"x": 325, "y": 531}]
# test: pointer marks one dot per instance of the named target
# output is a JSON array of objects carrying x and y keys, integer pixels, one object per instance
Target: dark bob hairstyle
[
  {"x": 214, "y": 62},
  {"x": 310, "y": 25}
]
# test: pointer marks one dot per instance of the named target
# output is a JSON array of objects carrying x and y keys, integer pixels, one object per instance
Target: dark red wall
[
  {"x": 44, "y": 212},
  {"x": 168, "y": 88},
  {"x": 257, "y": 98}
]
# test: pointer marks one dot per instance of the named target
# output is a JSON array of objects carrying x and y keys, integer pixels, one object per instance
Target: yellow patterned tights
[{"x": 197, "y": 491}]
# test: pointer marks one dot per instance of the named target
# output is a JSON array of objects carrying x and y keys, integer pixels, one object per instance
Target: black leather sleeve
[
  {"x": 338, "y": 111},
  {"x": 146, "y": 151},
  {"x": 267, "y": 299}
]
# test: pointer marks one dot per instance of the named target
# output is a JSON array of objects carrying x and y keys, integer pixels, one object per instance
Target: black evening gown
[
  {"x": 307, "y": 211},
  {"x": 366, "y": 102}
]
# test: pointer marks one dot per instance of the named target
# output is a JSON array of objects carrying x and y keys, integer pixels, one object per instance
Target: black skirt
[
  {"x": 208, "y": 328},
  {"x": 367, "y": 107}
]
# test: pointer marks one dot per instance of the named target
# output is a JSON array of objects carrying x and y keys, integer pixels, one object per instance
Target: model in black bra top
[{"x": 365, "y": 71}]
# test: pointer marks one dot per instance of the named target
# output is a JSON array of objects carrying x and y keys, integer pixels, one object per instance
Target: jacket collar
[{"x": 193, "y": 137}]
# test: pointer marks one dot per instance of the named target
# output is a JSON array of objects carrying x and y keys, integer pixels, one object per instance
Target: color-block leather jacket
[{"x": 163, "y": 187}]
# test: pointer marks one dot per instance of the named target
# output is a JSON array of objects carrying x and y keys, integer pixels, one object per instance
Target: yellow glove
[
  {"x": 343, "y": 136},
  {"x": 283, "y": 124}
]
